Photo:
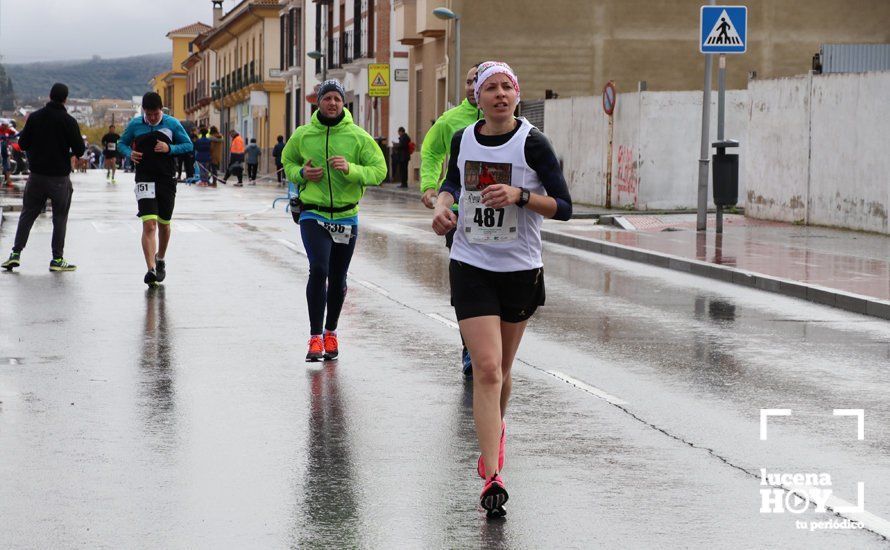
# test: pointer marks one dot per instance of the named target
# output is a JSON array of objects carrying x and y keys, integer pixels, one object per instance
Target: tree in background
[{"x": 7, "y": 94}]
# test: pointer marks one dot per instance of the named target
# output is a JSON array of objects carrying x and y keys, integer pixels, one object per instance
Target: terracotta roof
[{"x": 195, "y": 28}]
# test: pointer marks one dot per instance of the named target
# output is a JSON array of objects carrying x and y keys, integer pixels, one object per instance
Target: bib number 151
[{"x": 489, "y": 217}]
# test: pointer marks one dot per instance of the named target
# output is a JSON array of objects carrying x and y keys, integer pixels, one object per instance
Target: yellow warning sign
[{"x": 378, "y": 80}]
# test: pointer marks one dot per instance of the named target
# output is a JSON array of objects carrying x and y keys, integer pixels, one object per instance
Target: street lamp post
[
  {"x": 446, "y": 14},
  {"x": 316, "y": 55}
]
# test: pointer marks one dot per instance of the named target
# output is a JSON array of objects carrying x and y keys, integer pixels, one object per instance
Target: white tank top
[{"x": 503, "y": 239}]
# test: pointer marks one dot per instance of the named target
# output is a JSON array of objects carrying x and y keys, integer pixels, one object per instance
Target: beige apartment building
[
  {"x": 248, "y": 91},
  {"x": 171, "y": 85},
  {"x": 351, "y": 35},
  {"x": 200, "y": 68},
  {"x": 573, "y": 47}
]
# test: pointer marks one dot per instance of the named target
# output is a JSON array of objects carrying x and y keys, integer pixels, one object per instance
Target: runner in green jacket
[
  {"x": 437, "y": 142},
  {"x": 332, "y": 161},
  {"x": 433, "y": 153}
]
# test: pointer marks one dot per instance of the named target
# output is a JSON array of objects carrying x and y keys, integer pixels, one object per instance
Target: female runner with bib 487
[{"x": 507, "y": 178}]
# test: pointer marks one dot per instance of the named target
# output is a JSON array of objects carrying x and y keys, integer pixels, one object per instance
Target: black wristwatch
[{"x": 524, "y": 195}]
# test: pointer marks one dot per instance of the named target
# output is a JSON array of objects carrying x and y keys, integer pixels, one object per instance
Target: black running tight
[{"x": 328, "y": 264}]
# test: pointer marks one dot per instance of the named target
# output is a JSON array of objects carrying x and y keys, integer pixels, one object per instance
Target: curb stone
[{"x": 847, "y": 301}]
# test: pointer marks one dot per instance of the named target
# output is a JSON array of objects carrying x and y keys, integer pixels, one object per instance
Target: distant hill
[{"x": 94, "y": 78}]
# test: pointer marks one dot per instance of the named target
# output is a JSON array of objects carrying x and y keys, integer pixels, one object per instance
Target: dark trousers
[
  {"x": 57, "y": 189},
  {"x": 180, "y": 165},
  {"x": 403, "y": 171},
  {"x": 328, "y": 264},
  {"x": 252, "y": 170},
  {"x": 236, "y": 161},
  {"x": 279, "y": 170}
]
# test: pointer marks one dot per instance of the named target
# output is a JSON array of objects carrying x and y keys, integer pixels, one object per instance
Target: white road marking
[
  {"x": 588, "y": 388},
  {"x": 371, "y": 286},
  {"x": 292, "y": 246},
  {"x": 443, "y": 320}
]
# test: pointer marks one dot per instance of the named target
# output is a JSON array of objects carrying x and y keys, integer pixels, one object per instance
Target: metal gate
[{"x": 533, "y": 111}]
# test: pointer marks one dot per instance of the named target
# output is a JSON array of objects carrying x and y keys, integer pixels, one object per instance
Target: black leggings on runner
[{"x": 328, "y": 264}]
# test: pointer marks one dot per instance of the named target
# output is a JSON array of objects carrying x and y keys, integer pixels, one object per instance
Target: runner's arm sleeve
[
  {"x": 432, "y": 156},
  {"x": 292, "y": 160},
  {"x": 540, "y": 157},
  {"x": 452, "y": 177},
  {"x": 123, "y": 143},
  {"x": 182, "y": 143},
  {"x": 371, "y": 166}
]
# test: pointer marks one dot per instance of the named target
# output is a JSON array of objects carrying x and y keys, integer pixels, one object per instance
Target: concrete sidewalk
[{"x": 844, "y": 269}]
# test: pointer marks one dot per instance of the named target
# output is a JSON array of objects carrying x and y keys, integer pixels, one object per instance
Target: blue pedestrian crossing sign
[{"x": 723, "y": 29}]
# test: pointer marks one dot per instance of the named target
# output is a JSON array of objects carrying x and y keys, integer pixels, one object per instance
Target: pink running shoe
[
  {"x": 502, "y": 451},
  {"x": 493, "y": 497}
]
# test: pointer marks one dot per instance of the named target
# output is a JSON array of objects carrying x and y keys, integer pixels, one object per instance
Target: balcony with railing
[
  {"x": 334, "y": 53},
  {"x": 197, "y": 96},
  {"x": 348, "y": 45},
  {"x": 237, "y": 80},
  {"x": 363, "y": 47}
]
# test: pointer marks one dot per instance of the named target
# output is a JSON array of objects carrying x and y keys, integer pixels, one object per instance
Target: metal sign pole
[
  {"x": 609, "y": 164},
  {"x": 701, "y": 223},
  {"x": 721, "y": 112},
  {"x": 610, "y": 100}
]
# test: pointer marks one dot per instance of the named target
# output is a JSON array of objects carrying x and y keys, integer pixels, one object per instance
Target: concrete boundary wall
[
  {"x": 814, "y": 148},
  {"x": 579, "y": 137},
  {"x": 850, "y": 151},
  {"x": 655, "y": 149},
  {"x": 779, "y": 130}
]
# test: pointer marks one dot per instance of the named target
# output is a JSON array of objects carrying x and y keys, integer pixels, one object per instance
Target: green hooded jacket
[
  {"x": 317, "y": 142},
  {"x": 437, "y": 142}
]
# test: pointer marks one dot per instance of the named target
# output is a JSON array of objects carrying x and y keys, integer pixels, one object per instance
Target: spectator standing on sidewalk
[
  {"x": 236, "y": 159},
  {"x": 252, "y": 154},
  {"x": 202, "y": 156},
  {"x": 276, "y": 154},
  {"x": 216, "y": 151},
  {"x": 404, "y": 148},
  {"x": 51, "y": 137}
]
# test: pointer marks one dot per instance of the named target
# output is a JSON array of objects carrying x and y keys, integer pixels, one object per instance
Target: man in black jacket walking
[{"x": 51, "y": 137}]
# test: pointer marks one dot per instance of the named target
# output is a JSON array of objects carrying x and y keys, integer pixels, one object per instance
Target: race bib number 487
[{"x": 484, "y": 224}]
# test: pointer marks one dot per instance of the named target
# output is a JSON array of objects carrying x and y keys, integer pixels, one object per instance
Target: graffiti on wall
[{"x": 627, "y": 179}]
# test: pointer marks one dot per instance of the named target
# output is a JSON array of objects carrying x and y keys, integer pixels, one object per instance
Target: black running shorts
[
  {"x": 514, "y": 296},
  {"x": 159, "y": 208}
]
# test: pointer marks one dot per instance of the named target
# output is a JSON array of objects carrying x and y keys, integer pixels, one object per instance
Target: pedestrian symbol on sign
[
  {"x": 378, "y": 80},
  {"x": 723, "y": 29},
  {"x": 723, "y": 32}
]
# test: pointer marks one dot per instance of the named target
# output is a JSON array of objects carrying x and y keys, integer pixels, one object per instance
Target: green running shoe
[
  {"x": 59, "y": 264},
  {"x": 13, "y": 261}
]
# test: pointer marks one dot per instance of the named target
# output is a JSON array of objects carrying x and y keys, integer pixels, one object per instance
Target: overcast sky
[{"x": 50, "y": 30}]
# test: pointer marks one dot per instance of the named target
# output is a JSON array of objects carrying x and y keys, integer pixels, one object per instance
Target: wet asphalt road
[{"x": 185, "y": 416}]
